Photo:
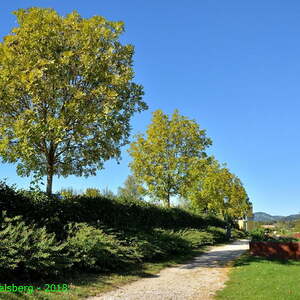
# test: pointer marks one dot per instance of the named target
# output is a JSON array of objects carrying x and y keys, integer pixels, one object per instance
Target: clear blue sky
[{"x": 234, "y": 66}]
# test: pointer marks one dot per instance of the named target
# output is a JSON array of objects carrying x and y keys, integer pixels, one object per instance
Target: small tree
[
  {"x": 68, "y": 192},
  {"x": 165, "y": 160},
  {"x": 92, "y": 192},
  {"x": 131, "y": 189},
  {"x": 66, "y": 93},
  {"x": 107, "y": 193}
]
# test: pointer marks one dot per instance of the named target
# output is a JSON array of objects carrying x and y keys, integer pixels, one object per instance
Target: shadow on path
[{"x": 218, "y": 257}]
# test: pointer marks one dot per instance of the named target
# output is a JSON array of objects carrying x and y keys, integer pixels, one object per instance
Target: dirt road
[{"x": 198, "y": 280}]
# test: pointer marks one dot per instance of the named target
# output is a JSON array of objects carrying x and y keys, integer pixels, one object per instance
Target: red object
[
  {"x": 297, "y": 235},
  {"x": 290, "y": 250}
]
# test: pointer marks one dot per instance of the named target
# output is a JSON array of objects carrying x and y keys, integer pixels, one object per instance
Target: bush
[
  {"x": 170, "y": 242},
  {"x": 262, "y": 235},
  {"x": 91, "y": 249},
  {"x": 28, "y": 249},
  {"x": 238, "y": 234},
  {"x": 142, "y": 244},
  {"x": 140, "y": 232},
  {"x": 155, "y": 244},
  {"x": 259, "y": 234},
  {"x": 218, "y": 233},
  {"x": 197, "y": 238}
]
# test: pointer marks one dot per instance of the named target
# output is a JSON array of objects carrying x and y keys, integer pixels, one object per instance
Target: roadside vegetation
[
  {"x": 265, "y": 235},
  {"x": 49, "y": 240},
  {"x": 67, "y": 98}
]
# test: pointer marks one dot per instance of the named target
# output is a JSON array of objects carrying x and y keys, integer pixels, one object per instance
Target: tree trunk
[
  {"x": 49, "y": 182},
  {"x": 50, "y": 171},
  {"x": 50, "y": 168},
  {"x": 168, "y": 199},
  {"x": 228, "y": 226}
]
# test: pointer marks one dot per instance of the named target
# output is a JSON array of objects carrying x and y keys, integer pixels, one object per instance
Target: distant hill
[
  {"x": 292, "y": 217},
  {"x": 264, "y": 217}
]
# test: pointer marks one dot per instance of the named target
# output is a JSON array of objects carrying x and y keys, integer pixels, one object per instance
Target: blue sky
[{"x": 233, "y": 66}]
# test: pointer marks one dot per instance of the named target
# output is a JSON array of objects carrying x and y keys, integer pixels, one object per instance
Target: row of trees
[
  {"x": 66, "y": 99},
  {"x": 170, "y": 161}
]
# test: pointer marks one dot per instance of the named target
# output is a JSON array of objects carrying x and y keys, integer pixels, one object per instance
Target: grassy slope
[
  {"x": 84, "y": 285},
  {"x": 254, "y": 278}
]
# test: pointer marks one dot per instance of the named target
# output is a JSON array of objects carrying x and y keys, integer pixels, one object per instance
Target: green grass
[
  {"x": 256, "y": 278},
  {"x": 83, "y": 285}
]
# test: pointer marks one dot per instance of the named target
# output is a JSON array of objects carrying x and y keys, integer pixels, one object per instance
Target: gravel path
[{"x": 197, "y": 280}]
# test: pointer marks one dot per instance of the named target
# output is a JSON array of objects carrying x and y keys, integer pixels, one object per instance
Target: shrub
[
  {"x": 197, "y": 238},
  {"x": 218, "y": 233},
  {"x": 91, "y": 249},
  {"x": 238, "y": 234},
  {"x": 28, "y": 249},
  {"x": 262, "y": 235},
  {"x": 259, "y": 234},
  {"x": 170, "y": 242},
  {"x": 142, "y": 245},
  {"x": 13, "y": 202},
  {"x": 155, "y": 244}
]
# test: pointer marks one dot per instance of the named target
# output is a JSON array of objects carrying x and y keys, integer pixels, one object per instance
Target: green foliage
[
  {"x": 259, "y": 234},
  {"x": 218, "y": 190},
  {"x": 197, "y": 238},
  {"x": 67, "y": 94},
  {"x": 263, "y": 235},
  {"x": 131, "y": 191},
  {"x": 28, "y": 249},
  {"x": 55, "y": 213},
  {"x": 107, "y": 193},
  {"x": 170, "y": 160},
  {"x": 93, "y": 249},
  {"x": 170, "y": 242},
  {"x": 92, "y": 192},
  {"x": 238, "y": 234},
  {"x": 155, "y": 244},
  {"x": 218, "y": 233},
  {"x": 34, "y": 207},
  {"x": 165, "y": 160},
  {"x": 68, "y": 192},
  {"x": 90, "y": 248},
  {"x": 120, "y": 214},
  {"x": 95, "y": 233},
  {"x": 160, "y": 243},
  {"x": 143, "y": 244},
  {"x": 296, "y": 226}
]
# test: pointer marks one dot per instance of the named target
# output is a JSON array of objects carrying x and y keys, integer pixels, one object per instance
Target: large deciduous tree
[
  {"x": 66, "y": 93},
  {"x": 165, "y": 160}
]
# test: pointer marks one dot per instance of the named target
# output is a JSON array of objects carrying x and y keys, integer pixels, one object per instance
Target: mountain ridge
[{"x": 264, "y": 217}]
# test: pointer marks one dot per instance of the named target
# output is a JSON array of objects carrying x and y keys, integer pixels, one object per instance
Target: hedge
[{"x": 55, "y": 213}]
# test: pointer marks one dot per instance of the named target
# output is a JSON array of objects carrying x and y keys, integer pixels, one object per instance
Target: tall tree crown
[
  {"x": 66, "y": 93},
  {"x": 166, "y": 157}
]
